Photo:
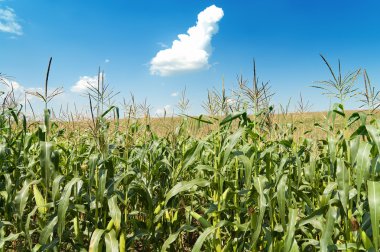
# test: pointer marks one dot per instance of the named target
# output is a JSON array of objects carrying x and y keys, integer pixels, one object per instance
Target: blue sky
[{"x": 124, "y": 37}]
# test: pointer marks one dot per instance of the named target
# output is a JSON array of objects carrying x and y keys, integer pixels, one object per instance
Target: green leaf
[
  {"x": 290, "y": 242},
  {"x": 259, "y": 184},
  {"x": 313, "y": 216},
  {"x": 47, "y": 231},
  {"x": 9, "y": 238},
  {"x": 40, "y": 201},
  {"x": 281, "y": 201},
  {"x": 55, "y": 187},
  {"x": 343, "y": 178},
  {"x": 64, "y": 205},
  {"x": 27, "y": 227},
  {"x": 22, "y": 197},
  {"x": 108, "y": 110},
  {"x": 328, "y": 230},
  {"x": 363, "y": 163},
  {"x": 111, "y": 242},
  {"x": 232, "y": 117},
  {"x": 374, "y": 208},
  {"x": 114, "y": 212},
  {"x": 95, "y": 239},
  {"x": 45, "y": 161},
  {"x": 201, "y": 239},
  {"x": 201, "y": 219},
  {"x": 375, "y": 136},
  {"x": 199, "y": 119},
  {"x": 174, "y": 236},
  {"x": 232, "y": 140},
  {"x": 354, "y": 148},
  {"x": 185, "y": 186}
]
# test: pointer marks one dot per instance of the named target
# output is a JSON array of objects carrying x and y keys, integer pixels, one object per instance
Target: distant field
[{"x": 304, "y": 122}]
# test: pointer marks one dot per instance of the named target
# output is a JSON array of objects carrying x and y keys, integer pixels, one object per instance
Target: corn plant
[{"x": 237, "y": 188}]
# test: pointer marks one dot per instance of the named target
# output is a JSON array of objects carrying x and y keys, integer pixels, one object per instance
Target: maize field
[{"x": 244, "y": 186}]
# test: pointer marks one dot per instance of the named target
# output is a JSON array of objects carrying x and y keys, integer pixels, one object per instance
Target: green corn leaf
[
  {"x": 114, "y": 212},
  {"x": 332, "y": 152},
  {"x": 201, "y": 219},
  {"x": 374, "y": 208},
  {"x": 45, "y": 161},
  {"x": 281, "y": 200},
  {"x": 100, "y": 193},
  {"x": 290, "y": 243},
  {"x": 232, "y": 117},
  {"x": 354, "y": 148},
  {"x": 95, "y": 240},
  {"x": 191, "y": 158},
  {"x": 201, "y": 239},
  {"x": 47, "y": 231},
  {"x": 375, "y": 136},
  {"x": 185, "y": 186},
  {"x": 64, "y": 205},
  {"x": 327, "y": 232},
  {"x": 247, "y": 171},
  {"x": 232, "y": 141},
  {"x": 363, "y": 163},
  {"x": 9, "y": 238},
  {"x": 313, "y": 216},
  {"x": 259, "y": 184},
  {"x": 40, "y": 201},
  {"x": 55, "y": 187},
  {"x": 173, "y": 237},
  {"x": 112, "y": 244},
  {"x": 27, "y": 227},
  {"x": 49, "y": 246},
  {"x": 22, "y": 197},
  {"x": 343, "y": 178},
  {"x": 327, "y": 192}
]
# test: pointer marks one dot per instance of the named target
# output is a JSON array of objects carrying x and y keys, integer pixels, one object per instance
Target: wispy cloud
[
  {"x": 107, "y": 61},
  {"x": 162, "y": 45},
  {"x": 84, "y": 83},
  {"x": 190, "y": 51},
  {"x": 174, "y": 94},
  {"x": 8, "y": 21}
]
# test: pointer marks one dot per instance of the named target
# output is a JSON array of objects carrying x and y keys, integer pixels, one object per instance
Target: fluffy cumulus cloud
[
  {"x": 8, "y": 22},
  {"x": 166, "y": 110},
  {"x": 190, "y": 51},
  {"x": 11, "y": 85},
  {"x": 84, "y": 83},
  {"x": 13, "y": 90}
]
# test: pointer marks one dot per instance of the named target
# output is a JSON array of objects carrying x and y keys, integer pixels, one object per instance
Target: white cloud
[
  {"x": 11, "y": 84},
  {"x": 231, "y": 101},
  {"x": 192, "y": 50},
  {"x": 8, "y": 21},
  {"x": 167, "y": 109},
  {"x": 84, "y": 83},
  {"x": 174, "y": 94},
  {"x": 106, "y": 61},
  {"x": 7, "y": 86}
]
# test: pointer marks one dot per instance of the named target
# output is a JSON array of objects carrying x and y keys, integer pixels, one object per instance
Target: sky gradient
[{"x": 123, "y": 38}]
